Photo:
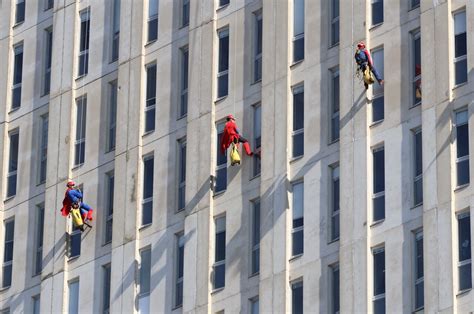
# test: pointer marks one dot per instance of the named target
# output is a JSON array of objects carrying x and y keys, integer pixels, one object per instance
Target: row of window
[{"x": 20, "y": 7}]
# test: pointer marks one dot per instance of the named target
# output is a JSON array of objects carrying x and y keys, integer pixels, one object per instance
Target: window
[
  {"x": 223, "y": 2},
  {"x": 152, "y": 20},
  {"x": 221, "y": 167},
  {"x": 334, "y": 202},
  {"x": 183, "y": 102},
  {"x": 378, "y": 198},
  {"x": 334, "y": 22},
  {"x": 298, "y": 121},
  {"x": 80, "y": 143},
  {"x": 13, "y": 163},
  {"x": 334, "y": 105},
  {"x": 462, "y": 147},
  {"x": 416, "y": 68},
  {"x": 39, "y": 239},
  {"x": 83, "y": 66},
  {"x": 460, "y": 48},
  {"x": 74, "y": 242},
  {"x": 184, "y": 13},
  {"x": 297, "y": 231},
  {"x": 48, "y": 60},
  {"x": 73, "y": 297},
  {"x": 334, "y": 290},
  {"x": 255, "y": 236},
  {"x": 223, "y": 66},
  {"x": 254, "y": 306},
  {"x": 20, "y": 11},
  {"x": 418, "y": 163},
  {"x": 112, "y": 117},
  {"x": 43, "y": 153},
  {"x": 378, "y": 91},
  {"x": 257, "y": 138},
  {"x": 5, "y": 311},
  {"x": 219, "y": 259},
  {"x": 377, "y": 12},
  {"x": 379, "y": 280},
  {"x": 181, "y": 174},
  {"x": 49, "y": 4},
  {"x": 150, "y": 98},
  {"x": 115, "y": 30},
  {"x": 464, "y": 244},
  {"x": 36, "y": 304},
  {"x": 17, "y": 76},
  {"x": 257, "y": 59},
  {"x": 414, "y": 3},
  {"x": 144, "y": 284},
  {"x": 106, "y": 289},
  {"x": 8, "y": 253},
  {"x": 297, "y": 297},
  {"x": 298, "y": 30},
  {"x": 109, "y": 205},
  {"x": 178, "y": 294},
  {"x": 147, "y": 202},
  {"x": 419, "y": 275}
]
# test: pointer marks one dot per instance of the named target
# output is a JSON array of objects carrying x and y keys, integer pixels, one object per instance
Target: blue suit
[{"x": 76, "y": 197}]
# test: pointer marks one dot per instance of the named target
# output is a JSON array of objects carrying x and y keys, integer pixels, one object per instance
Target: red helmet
[
  {"x": 230, "y": 117},
  {"x": 361, "y": 45},
  {"x": 70, "y": 183}
]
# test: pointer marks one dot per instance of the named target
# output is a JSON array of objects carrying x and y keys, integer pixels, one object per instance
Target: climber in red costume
[
  {"x": 232, "y": 134},
  {"x": 73, "y": 197}
]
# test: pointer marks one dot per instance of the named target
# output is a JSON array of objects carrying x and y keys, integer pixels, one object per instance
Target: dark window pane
[
  {"x": 464, "y": 234},
  {"x": 419, "y": 258},
  {"x": 460, "y": 45},
  {"x": 75, "y": 249},
  {"x": 335, "y": 227},
  {"x": 151, "y": 83},
  {"x": 148, "y": 169},
  {"x": 379, "y": 208},
  {"x": 13, "y": 164},
  {"x": 419, "y": 295},
  {"x": 461, "y": 71},
  {"x": 297, "y": 298},
  {"x": 80, "y": 153},
  {"x": 219, "y": 276},
  {"x": 150, "y": 120},
  {"x": 378, "y": 109},
  {"x": 16, "y": 97},
  {"x": 83, "y": 64},
  {"x": 298, "y": 243},
  {"x": 147, "y": 213},
  {"x": 185, "y": 16},
  {"x": 220, "y": 246},
  {"x": 256, "y": 224},
  {"x": 298, "y": 145},
  {"x": 223, "y": 2},
  {"x": 298, "y": 111},
  {"x": 255, "y": 261},
  {"x": 221, "y": 180},
  {"x": 379, "y": 273},
  {"x": 335, "y": 32},
  {"x": 18, "y": 70},
  {"x": 223, "y": 53},
  {"x": 298, "y": 49},
  {"x": 11, "y": 185},
  {"x": 379, "y": 306},
  {"x": 379, "y": 171},
  {"x": 20, "y": 12},
  {"x": 145, "y": 271},
  {"x": 465, "y": 280},
  {"x": 462, "y": 140},
  {"x": 418, "y": 154},
  {"x": 463, "y": 172},
  {"x": 418, "y": 191},
  {"x": 153, "y": 29},
  {"x": 7, "y": 275},
  {"x": 223, "y": 85},
  {"x": 415, "y": 3},
  {"x": 179, "y": 294},
  {"x": 335, "y": 290},
  {"x": 377, "y": 11}
]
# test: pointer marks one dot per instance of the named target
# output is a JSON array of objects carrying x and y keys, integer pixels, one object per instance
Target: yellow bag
[
  {"x": 368, "y": 76},
  {"x": 77, "y": 218},
  {"x": 234, "y": 155}
]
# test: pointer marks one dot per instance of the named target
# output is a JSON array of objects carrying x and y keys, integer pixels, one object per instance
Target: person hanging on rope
[
  {"x": 363, "y": 59},
  {"x": 232, "y": 135},
  {"x": 73, "y": 198}
]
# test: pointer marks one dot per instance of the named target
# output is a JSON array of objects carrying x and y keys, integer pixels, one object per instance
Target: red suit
[{"x": 232, "y": 134}]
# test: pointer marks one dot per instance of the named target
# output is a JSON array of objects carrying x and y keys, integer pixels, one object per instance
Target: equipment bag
[
  {"x": 234, "y": 155},
  {"x": 76, "y": 217},
  {"x": 368, "y": 76}
]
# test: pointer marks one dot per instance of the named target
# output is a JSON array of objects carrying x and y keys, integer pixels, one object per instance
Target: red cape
[
  {"x": 67, "y": 204},
  {"x": 230, "y": 133}
]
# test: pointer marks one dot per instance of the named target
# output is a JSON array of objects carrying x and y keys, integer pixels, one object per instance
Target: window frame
[
  {"x": 106, "y": 287},
  {"x": 178, "y": 281},
  {"x": 39, "y": 239},
  {"x": 255, "y": 238},
  {"x": 332, "y": 21},
  {"x": 43, "y": 149},
  {"x": 378, "y": 194},
  {"x": 417, "y": 236},
  {"x": 334, "y": 115},
  {"x": 13, "y": 166},
  {"x": 150, "y": 97},
  {"x": 332, "y": 300},
  {"x": 417, "y": 177},
  {"x": 223, "y": 73},
  {"x": 414, "y": 36},
  {"x": 459, "y": 160},
  {"x": 463, "y": 57},
  {"x": 296, "y": 284},
  {"x": 151, "y": 18},
  {"x": 380, "y": 296},
  {"x": 298, "y": 229},
  {"x": 372, "y": 13},
  {"x": 48, "y": 61},
  {"x": 184, "y": 82},
  {"x": 81, "y": 119},
  {"x": 257, "y": 140},
  {"x": 257, "y": 42},
  {"x": 149, "y": 199},
  {"x": 334, "y": 169},
  {"x": 85, "y": 21},
  {"x": 181, "y": 173},
  {"x": 185, "y": 8},
  {"x": 109, "y": 206},
  {"x": 222, "y": 167},
  {"x": 459, "y": 216},
  {"x": 298, "y": 36},
  {"x": 111, "y": 139},
  {"x": 69, "y": 284},
  {"x": 379, "y": 91},
  {"x": 19, "y": 19},
  {"x": 115, "y": 42},
  {"x": 221, "y": 262},
  {"x": 297, "y": 89},
  {"x": 18, "y": 51},
  {"x": 8, "y": 263}
]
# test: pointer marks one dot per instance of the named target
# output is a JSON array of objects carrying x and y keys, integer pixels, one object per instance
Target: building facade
[{"x": 356, "y": 197}]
